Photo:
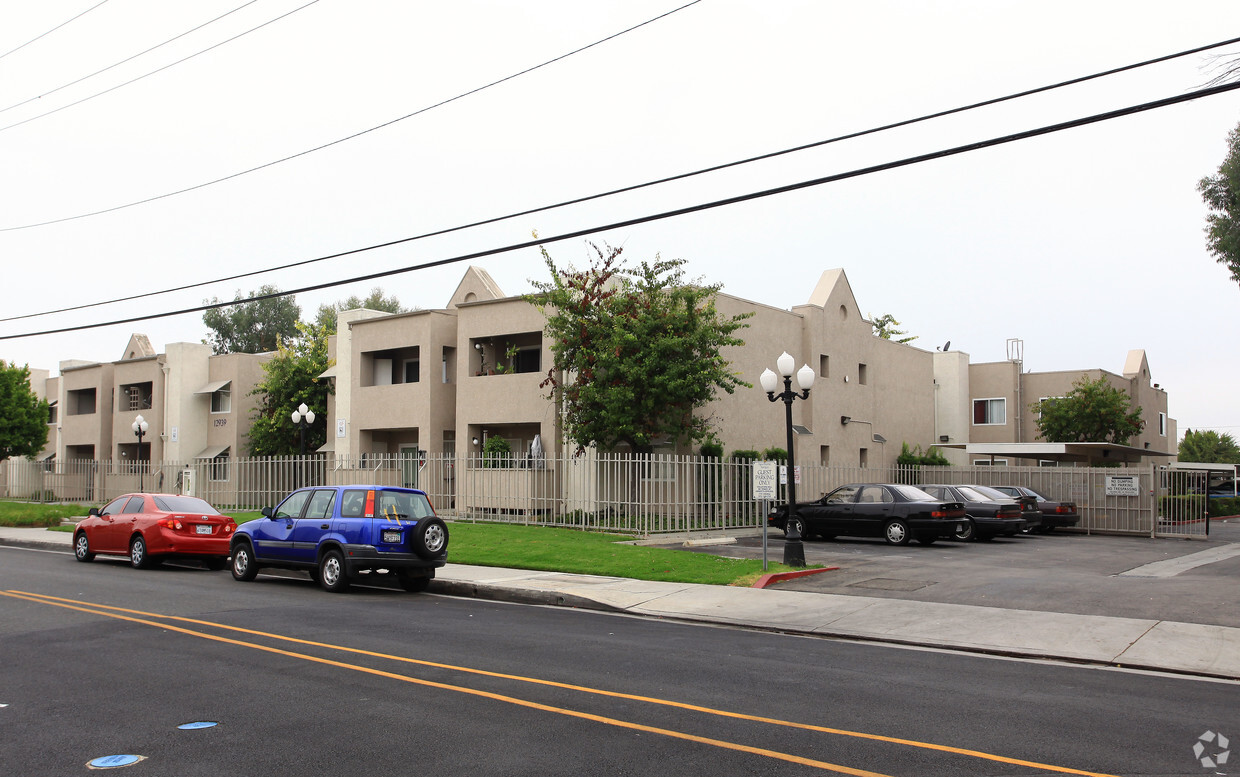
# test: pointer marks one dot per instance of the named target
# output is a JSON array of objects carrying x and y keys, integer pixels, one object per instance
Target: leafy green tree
[
  {"x": 252, "y": 327},
  {"x": 885, "y": 327},
  {"x": 290, "y": 378},
  {"x": 1093, "y": 411},
  {"x": 1208, "y": 446},
  {"x": 639, "y": 351},
  {"x": 1221, "y": 193},
  {"x": 23, "y": 416},
  {"x": 327, "y": 314}
]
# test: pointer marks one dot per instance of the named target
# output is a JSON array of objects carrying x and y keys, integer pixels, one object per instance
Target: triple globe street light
[{"x": 794, "y": 549}]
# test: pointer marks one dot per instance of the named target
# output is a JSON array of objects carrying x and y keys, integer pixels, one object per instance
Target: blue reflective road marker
[
  {"x": 197, "y": 725},
  {"x": 113, "y": 761}
]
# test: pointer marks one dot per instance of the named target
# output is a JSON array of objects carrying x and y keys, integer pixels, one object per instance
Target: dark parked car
[
  {"x": 1054, "y": 513},
  {"x": 1029, "y": 509},
  {"x": 986, "y": 516},
  {"x": 152, "y": 527},
  {"x": 337, "y": 533},
  {"x": 897, "y": 513}
]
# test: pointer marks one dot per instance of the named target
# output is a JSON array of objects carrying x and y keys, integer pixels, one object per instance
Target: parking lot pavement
[{"x": 1060, "y": 572}]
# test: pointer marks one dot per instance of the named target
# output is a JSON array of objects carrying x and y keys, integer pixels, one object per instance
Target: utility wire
[
  {"x": 49, "y": 32},
  {"x": 907, "y": 161},
  {"x": 334, "y": 142},
  {"x": 123, "y": 61},
  {"x": 153, "y": 72},
  {"x": 635, "y": 187}
]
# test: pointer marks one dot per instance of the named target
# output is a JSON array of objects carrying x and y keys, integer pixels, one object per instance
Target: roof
[{"x": 1057, "y": 451}]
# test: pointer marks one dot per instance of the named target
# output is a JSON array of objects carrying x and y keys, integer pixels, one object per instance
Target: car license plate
[
  {"x": 202, "y": 528},
  {"x": 391, "y": 537}
]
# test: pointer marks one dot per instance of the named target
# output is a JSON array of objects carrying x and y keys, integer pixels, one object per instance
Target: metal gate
[{"x": 1181, "y": 503}]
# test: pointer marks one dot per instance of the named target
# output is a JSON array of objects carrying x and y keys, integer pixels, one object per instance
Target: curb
[{"x": 779, "y": 577}]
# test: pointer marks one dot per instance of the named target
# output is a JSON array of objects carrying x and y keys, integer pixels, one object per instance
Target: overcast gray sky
[{"x": 1084, "y": 244}]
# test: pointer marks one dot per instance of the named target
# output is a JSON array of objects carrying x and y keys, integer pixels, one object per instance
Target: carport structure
[{"x": 1117, "y": 489}]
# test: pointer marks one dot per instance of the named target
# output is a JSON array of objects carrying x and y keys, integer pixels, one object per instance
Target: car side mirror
[
  {"x": 94, "y": 511},
  {"x": 267, "y": 511}
]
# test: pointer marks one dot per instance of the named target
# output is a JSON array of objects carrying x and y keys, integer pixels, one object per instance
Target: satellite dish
[{"x": 947, "y": 345}]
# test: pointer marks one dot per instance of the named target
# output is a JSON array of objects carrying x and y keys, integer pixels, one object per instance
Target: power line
[
  {"x": 123, "y": 61},
  {"x": 49, "y": 32},
  {"x": 334, "y": 142},
  {"x": 907, "y": 161},
  {"x": 635, "y": 187},
  {"x": 157, "y": 70}
]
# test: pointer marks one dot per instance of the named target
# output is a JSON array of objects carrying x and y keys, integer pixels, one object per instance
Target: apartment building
[
  {"x": 445, "y": 381},
  {"x": 196, "y": 405}
]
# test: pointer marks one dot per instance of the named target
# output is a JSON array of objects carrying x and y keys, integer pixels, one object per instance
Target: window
[
  {"x": 221, "y": 401},
  {"x": 1162, "y": 424},
  {"x": 219, "y": 466},
  {"x": 989, "y": 411},
  {"x": 412, "y": 371},
  {"x": 864, "y": 457},
  {"x": 291, "y": 507},
  {"x": 988, "y": 462},
  {"x": 51, "y": 413},
  {"x": 824, "y": 366},
  {"x": 861, "y": 374},
  {"x": 135, "y": 396},
  {"x": 321, "y": 504}
]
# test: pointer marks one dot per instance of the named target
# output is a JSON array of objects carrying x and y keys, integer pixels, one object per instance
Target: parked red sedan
[{"x": 151, "y": 527}]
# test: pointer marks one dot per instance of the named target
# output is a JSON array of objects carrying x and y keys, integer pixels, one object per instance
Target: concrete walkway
[{"x": 1187, "y": 648}]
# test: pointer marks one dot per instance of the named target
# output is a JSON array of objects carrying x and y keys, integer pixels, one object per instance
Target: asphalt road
[
  {"x": 381, "y": 682},
  {"x": 1060, "y": 572}
]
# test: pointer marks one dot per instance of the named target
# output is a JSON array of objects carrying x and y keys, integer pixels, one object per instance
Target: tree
[
  {"x": 1093, "y": 411},
  {"x": 290, "y": 378},
  {"x": 885, "y": 327},
  {"x": 1208, "y": 446},
  {"x": 326, "y": 316},
  {"x": 638, "y": 351},
  {"x": 1221, "y": 194},
  {"x": 23, "y": 416},
  {"x": 252, "y": 327}
]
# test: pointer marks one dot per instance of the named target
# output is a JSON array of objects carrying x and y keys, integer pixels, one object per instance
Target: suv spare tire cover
[{"x": 419, "y": 538}]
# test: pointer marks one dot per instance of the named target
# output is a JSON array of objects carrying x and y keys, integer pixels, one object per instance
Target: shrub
[
  {"x": 774, "y": 454},
  {"x": 496, "y": 453},
  {"x": 1228, "y": 505}
]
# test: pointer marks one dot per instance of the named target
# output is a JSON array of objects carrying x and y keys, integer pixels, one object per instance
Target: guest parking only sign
[{"x": 764, "y": 475}]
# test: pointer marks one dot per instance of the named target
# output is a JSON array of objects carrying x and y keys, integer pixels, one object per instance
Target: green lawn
[{"x": 518, "y": 547}]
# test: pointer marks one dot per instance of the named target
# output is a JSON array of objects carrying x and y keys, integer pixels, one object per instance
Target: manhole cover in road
[{"x": 891, "y": 584}]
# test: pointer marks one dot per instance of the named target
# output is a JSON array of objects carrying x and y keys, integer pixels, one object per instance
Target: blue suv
[{"x": 337, "y": 532}]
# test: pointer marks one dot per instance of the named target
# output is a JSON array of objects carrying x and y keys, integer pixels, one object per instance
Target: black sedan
[
  {"x": 986, "y": 516},
  {"x": 1054, "y": 512},
  {"x": 897, "y": 513}
]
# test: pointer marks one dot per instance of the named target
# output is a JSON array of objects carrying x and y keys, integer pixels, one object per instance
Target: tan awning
[
  {"x": 211, "y": 388},
  {"x": 212, "y": 451},
  {"x": 330, "y": 372}
]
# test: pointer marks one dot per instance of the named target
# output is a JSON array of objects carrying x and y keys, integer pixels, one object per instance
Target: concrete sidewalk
[{"x": 1129, "y": 642}]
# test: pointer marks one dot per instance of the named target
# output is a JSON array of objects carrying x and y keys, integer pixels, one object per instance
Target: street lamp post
[
  {"x": 794, "y": 549},
  {"x": 302, "y": 418},
  {"x": 140, "y": 426}
]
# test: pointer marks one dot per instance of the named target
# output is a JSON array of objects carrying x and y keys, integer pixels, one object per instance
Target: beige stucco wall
[
  {"x": 94, "y": 429},
  {"x": 186, "y": 371}
]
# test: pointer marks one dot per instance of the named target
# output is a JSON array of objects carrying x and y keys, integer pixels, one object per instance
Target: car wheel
[
  {"x": 927, "y": 540},
  {"x": 215, "y": 564},
  {"x": 243, "y": 566},
  {"x": 139, "y": 556},
  {"x": 332, "y": 575},
  {"x": 896, "y": 532},
  {"x": 414, "y": 584},
  {"x": 795, "y": 523},
  {"x": 81, "y": 548},
  {"x": 968, "y": 533},
  {"x": 430, "y": 538}
]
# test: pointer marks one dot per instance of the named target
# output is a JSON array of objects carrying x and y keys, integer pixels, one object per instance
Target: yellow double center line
[{"x": 141, "y": 617}]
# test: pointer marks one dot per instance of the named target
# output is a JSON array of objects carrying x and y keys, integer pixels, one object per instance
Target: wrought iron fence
[{"x": 631, "y": 494}]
